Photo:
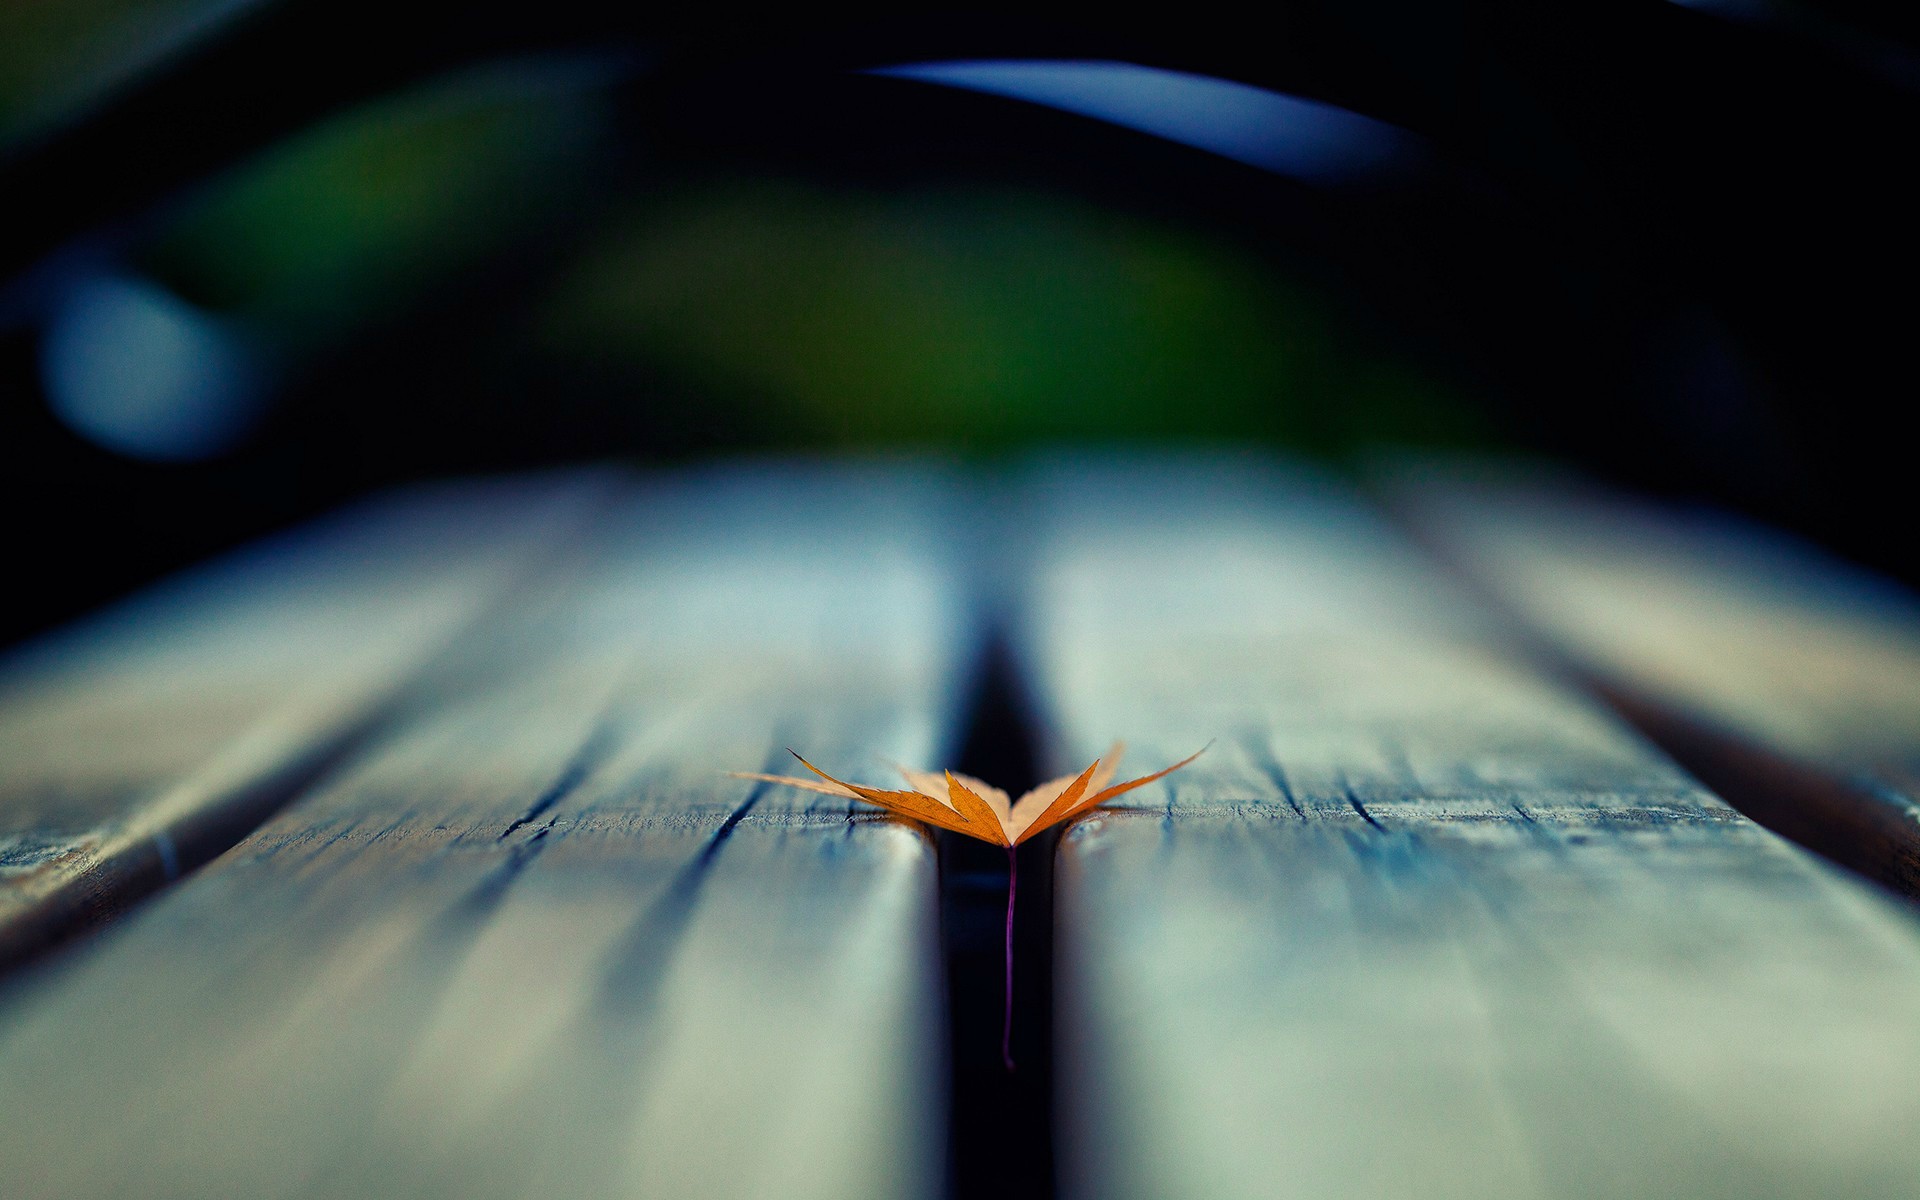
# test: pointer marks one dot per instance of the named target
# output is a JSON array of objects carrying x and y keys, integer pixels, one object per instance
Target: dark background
[{"x": 353, "y": 244}]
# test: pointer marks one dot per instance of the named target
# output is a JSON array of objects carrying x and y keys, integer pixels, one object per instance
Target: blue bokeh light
[
  {"x": 1303, "y": 139},
  {"x": 136, "y": 370}
]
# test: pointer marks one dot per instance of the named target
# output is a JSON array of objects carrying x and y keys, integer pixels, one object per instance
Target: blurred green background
[
  {"x": 423, "y": 239},
  {"x": 784, "y": 308}
]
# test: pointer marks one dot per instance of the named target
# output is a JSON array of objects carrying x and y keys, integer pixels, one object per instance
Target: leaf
[
  {"x": 1062, "y": 803},
  {"x": 934, "y": 783},
  {"x": 980, "y": 810},
  {"x": 967, "y": 805},
  {"x": 972, "y": 807},
  {"x": 927, "y": 808},
  {"x": 1035, "y": 802},
  {"x": 1107, "y": 794}
]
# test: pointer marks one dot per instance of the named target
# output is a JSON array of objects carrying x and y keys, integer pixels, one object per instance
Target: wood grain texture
[
  {"x": 535, "y": 942},
  {"x": 144, "y": 740},
  {"x": 1786, "y": 678},
  {"x": 1422, "y": 923}
]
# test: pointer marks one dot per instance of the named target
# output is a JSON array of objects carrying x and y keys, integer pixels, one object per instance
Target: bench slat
[
  {"x": 146, "y": 739},
  {"x": 1779, "y": 674},
  {"x": 1421, "y": 923},
  {"x": 536, "y": 942}
]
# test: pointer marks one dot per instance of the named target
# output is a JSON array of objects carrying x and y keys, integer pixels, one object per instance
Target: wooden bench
[
  {"x": 533, "y": 939},
  {"x": 1423, "y": 922},
  {"x": 1426, "y": 920},
  {"x": 149, "y": 738},
  {"x": 1781, "y": 676}
]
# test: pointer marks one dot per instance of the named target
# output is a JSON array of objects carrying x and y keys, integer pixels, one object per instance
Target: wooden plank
[
  {"x": 1788, "y": 680},
  {"x": 536, "y": 942},
  {"x": 1422, "y": 922},
  {"x": 154, "y": 735}
]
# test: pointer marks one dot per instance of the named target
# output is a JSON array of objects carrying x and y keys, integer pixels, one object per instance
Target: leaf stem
[{"x": 1006, "y": 1027}]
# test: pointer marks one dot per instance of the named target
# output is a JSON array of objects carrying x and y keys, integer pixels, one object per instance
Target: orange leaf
[
  {"x": 978, "y": 809},
  {"x": 908, "y": 804},
  {"x": 1103, "y": 796},
  {"x": 983, "y": 811},
  {"x": 975, "y": 809},
  {"x": 1061, "y": 803},
  {"x": 1066, "y": 808}
]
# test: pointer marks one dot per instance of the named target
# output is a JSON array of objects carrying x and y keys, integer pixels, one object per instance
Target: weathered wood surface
[
  {"x": 1421, "y": 923},
  {"x": 1782, "y": 676},
  {"x": 535, "y": 942},
  {"x": 154, "y": 735}
]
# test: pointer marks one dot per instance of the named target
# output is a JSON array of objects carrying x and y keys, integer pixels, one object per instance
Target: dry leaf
[{"x": 980, "y": 810}]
